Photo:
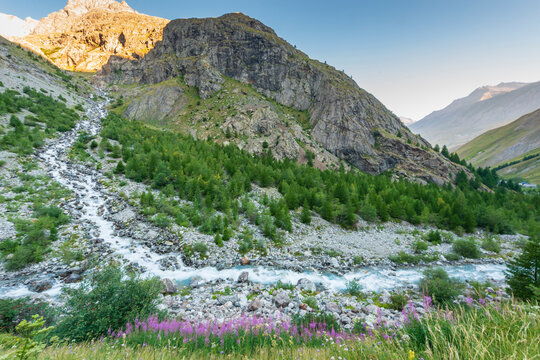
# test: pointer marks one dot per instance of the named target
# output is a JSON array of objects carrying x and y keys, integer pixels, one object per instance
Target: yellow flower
[{"x": 411, "y": 355}]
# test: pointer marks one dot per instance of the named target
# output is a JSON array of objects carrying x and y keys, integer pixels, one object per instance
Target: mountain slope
[
  {"x": 508, "y": 143},
  {"x": 344, "y": 119},
  {"x": 484, "y": 109},
  {"x": 84, "y": 34}
]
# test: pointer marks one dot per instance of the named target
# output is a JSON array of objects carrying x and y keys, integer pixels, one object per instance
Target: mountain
[
  {"x": 84, "y": 34},
  {"x": 232, "y": 78},
  {"x": 11, "y": 26},
  {"x": 407, "y": 121},
  {"x": 513, "y": 143},
  {"x": 484, "y": 109}
]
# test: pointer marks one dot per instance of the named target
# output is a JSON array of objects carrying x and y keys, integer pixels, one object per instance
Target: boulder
[
  {"x": 73, "y": 278},
  {"x": 306, "y": 285},
  {"x": 41, "y": 285},
  {"x": 282, "y": 299},
  {"x": 332, "y": 307},
  {"x": 243, "y": 278},
  {"x": 168, "y": 287},
  {"x": 244, "y": 261},
  {"x": 255, "y": 305}
]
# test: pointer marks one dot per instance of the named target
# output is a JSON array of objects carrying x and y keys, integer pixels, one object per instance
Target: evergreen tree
[
  {"x": 306, "y": 213},
  {"x": 119, "y": 168},
  {"x": 523, "y": 272}
]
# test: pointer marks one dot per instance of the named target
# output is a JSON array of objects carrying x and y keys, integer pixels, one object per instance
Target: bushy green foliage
[
  {"x": 402, "y": 257},
  {"x": 13, "y": 311},
  {"x": 215, "y": 177},
  {"x": 284, "y": 286},
  {"x": 440, "y": 286},
  {"x": 106, "y": 300},
  {"x": 466, "y": 248},
  {"x": 398, "y": 301},
  {"x": 419, "y": 246},
  {"x": 490, "y": 244},
  {"x": 523, "y": 272},
  {"x": 49, "y": 116},
  {"x": 33, "y": 237},
  {"x": 433, "y": 236},
  {"x": 353, "y": 288}
]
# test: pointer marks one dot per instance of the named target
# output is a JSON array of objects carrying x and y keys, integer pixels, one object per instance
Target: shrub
[
  {"x": 285, "y": 286},
  {"x": 433, "y": 236},
  {"x": 419, "y": 246},
  {"x": 489, "y": 244},
  {"x": 13, "y": 311},
  {"x": 440, "y": 286},
  {"x": 398, "y": 301},
  {"x": 466, "y": 248},
  {"x": 311, "y": 301},
  {"x": 161, "y": 220},
  {"x": 107, "y": 300},
  {"x": 368, "y": 212},
  {"x": 322, "y": 318},
  {"x": 354, "y": 288},
  {"x": 201, "y": 248}
]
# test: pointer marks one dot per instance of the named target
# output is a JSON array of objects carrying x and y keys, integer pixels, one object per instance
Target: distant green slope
[{"x": 514, "y": 143}]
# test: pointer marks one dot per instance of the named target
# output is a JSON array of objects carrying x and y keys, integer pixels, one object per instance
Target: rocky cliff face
[
  {"x": 346, "y": 120},
  {"x": 84, "y": 34}
]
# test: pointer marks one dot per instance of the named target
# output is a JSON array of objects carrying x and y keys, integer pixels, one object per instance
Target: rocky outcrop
[
  {"x": 344, "y": 118},
  {"x": 84, "y": 34}
]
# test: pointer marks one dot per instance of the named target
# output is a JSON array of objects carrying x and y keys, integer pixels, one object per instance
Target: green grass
[
  {"x": 483, "y": 149},
  {"x": 499, "y": 331}
]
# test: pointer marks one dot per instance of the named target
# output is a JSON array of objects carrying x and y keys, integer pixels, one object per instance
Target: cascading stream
[{"x": 84, "y": 182}]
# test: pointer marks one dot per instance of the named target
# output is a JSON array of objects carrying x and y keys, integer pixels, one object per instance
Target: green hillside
[{"x": 510, "y": 148}]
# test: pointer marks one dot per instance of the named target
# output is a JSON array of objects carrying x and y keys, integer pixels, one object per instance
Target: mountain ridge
[
  {"x": 483, "y": 109},
  {"x": 345, "y": 119}
]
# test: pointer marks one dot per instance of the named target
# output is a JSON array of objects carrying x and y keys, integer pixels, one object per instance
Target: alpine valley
[{"x": 173, "y": 187}]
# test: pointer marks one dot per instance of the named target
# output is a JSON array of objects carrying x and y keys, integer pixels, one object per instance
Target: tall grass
[{"x": 474, "y": 330}]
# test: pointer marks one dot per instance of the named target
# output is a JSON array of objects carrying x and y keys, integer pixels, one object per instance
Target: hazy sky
[{"x": 416, "y": 56}]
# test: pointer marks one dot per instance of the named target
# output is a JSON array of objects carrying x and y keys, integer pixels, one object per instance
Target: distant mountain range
[
  {"x": 484, "y": 109},
  {"x": 514, "y": 147}
]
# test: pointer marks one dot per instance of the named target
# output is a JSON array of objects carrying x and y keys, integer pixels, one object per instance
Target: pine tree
[
  {"x": 306, "y": 213},
  {"x": 523, "y": 272},
  {"x": 119, "y": 168}
]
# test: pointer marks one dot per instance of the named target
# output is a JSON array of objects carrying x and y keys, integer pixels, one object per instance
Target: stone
[
  {"x": 169, "y": 287},
  {"x": 334, "y": 262},
  {"x": 244, "y": 261},
  {"x": 255, "y": 304},
  {"x": 282, "y": 299},
  {"x": 195, "y": 281},
  {"x": 306, "y": 285},
  {"x": 41, "y": 285},
  {"x": 332, "y": 307},
  {"x": 73, "y": 278},
  {"x": 243, "y": 278}
]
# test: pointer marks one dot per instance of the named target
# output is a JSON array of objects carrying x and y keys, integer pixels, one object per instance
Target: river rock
[
  {"x": 332, "y": 307},
  {"x": 41, "y": 285},
  {"x": 243, "y": 278},
  {"x": 255, "y": 305},
  {"x": 306, "y": 285},
  {"x": 168, "y": 287},
  {"x": 244, "y": 261},
  {"x": 73, "y": 278},
  {"x": 282, "y": 299}
]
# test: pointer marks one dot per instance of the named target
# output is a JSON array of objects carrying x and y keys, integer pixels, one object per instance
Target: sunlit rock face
[{"x": 85, "y": 33}]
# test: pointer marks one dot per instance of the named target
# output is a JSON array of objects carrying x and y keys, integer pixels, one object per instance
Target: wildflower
[
  {"x": 469, "y": 300},
  {"x": 411, "y": 355}
]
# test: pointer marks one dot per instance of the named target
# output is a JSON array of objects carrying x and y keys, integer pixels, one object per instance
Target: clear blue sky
[{"x": 416, "y": 56}]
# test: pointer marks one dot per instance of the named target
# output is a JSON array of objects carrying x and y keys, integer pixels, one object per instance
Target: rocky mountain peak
[
  {"x": 80, "y": 7},
  {"x": 85, "y": 33},
  {"x": 344, "y": 119}
]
